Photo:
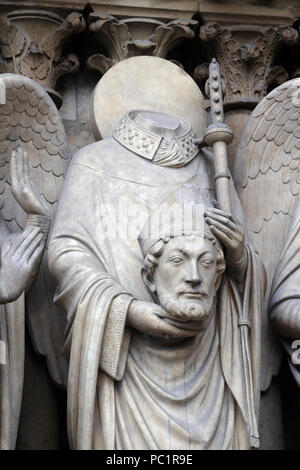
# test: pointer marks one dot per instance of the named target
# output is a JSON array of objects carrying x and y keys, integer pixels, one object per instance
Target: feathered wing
[
  {"x": 29, "y": 119},
  {"x": 267, "y": 179}
]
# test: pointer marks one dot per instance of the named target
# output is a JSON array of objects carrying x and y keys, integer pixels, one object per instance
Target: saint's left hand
[{"x": 229, "y": 232}]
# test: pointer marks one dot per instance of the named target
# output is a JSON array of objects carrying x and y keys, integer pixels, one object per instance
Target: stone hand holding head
[
  {"x": 152, "y": 319},
  {"x": 183, "y": 262}
]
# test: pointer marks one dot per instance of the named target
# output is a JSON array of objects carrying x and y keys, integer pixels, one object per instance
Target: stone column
[
  {"x": 124, "y": 38},
  {"x": 245, "y": 54},
  {"x": 32, "y": 44}
]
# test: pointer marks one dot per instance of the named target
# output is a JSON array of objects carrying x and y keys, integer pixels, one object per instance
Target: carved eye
[
  {"x": 176, "y": 260},
  {"x": 208, "y": 262}
]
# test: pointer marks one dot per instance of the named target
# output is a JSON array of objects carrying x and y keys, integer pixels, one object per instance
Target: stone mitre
[{"x": 182, "y": 213}]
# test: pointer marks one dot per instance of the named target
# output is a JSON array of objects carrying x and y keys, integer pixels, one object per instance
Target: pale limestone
[{"x": 148, "y": 84}]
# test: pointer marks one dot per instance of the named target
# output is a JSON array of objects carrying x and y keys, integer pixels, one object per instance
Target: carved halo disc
[{"x": 148, "y": 84}]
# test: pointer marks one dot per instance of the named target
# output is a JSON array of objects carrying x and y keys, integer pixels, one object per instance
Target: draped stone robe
[
  {"x": 125, "y": 390},
  {"x": 12, "y": 350},
  {"x": 284, "y": 305}
]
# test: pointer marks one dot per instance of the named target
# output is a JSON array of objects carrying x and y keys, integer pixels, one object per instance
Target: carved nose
[
  {"x": 194, "y": 282},
  {"x": 193, "y": 276}
]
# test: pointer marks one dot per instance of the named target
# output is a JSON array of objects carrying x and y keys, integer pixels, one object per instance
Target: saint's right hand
[{"x": 147, "y": 317}]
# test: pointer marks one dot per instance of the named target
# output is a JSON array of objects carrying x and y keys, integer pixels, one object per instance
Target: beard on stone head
[
  {"x": 183, "y": 274},
  {"x": 187, "y": 311}
]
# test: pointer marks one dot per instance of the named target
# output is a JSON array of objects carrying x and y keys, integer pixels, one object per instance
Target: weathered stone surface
[
  {"x": 135, "y": 36},
  {"x": 32, "y": 44},
  {"x": 165, "y": 10},
  {"x": 255, "y": 12},
  {"x": 149, "y": 83},
  {"x": 262, "y": 159},
  {"x": 246, "y": 55},
  {"x": 33, "y": 159},
  {"x": 76, "y": 92},
  {"x": 246, "y": 37},
  {"x": 146, "y": 157}
]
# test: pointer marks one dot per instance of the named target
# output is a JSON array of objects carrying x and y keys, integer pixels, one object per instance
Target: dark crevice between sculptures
[
  {"x": 288, "y": 57},
  {"x": 43, "y": 414},
  {"x": 290, "y": 400}
]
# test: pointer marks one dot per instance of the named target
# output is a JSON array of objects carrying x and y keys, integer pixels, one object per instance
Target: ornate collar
[{"x": 172, "y": 152}]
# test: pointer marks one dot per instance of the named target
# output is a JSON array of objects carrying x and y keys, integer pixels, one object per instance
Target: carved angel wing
[
  {"x": 267, "y": 179},
  {"x": 29, "y": 119}
]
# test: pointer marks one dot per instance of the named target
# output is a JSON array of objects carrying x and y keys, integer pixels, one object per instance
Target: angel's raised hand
[{"x": 23, "y": 187}]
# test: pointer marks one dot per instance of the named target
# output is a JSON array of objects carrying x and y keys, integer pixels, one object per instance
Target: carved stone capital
[
  {"x": 121, "y": 39},
  {"x": 32, "y": 43},
  {"x": 246, "y": 54}
]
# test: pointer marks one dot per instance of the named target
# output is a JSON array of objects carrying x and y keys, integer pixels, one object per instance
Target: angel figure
[
  {"x": 284, "y": 306},
  {"x": 267, "y": 178},
  {"x": 33, "y": 158},
  {"x": 20, "y": 258},
  {"x": 21, "y": 252}
]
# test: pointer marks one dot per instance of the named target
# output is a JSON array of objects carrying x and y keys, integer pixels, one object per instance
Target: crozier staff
[{"x": 218, "y": 135}]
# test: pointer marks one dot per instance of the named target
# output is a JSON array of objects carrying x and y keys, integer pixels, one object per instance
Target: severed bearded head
[{"x": 183, "y": 261}]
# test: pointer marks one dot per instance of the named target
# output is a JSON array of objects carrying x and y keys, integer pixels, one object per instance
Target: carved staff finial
[
  {"x": 218, "y": 135},
  {"x": 215, "y": 85}
]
